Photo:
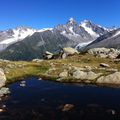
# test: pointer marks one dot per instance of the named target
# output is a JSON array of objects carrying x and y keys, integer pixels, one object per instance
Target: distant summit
[{"x": 93, "y": 29}]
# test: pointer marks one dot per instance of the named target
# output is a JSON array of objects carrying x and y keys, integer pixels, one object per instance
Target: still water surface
[{"x": 45, "y": 100}]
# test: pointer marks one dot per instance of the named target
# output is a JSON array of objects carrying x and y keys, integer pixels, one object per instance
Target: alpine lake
[{"x": 46, "y": 100}]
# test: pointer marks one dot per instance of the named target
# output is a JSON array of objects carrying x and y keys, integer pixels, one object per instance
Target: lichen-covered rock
[
  {"x": 109, "y": 79},
  {"x": 88, "y": 68},
  {"x": 85, "y": 75},
  {"x": 63, "y": 74},
  {"x": 111, "y": 70},
  {"x": 11, "y": 66},
  {"x": 64, "y": 55},
  {"x": 104, "y": 52},
  {"x": 70, "y": 51},
  {"x": 4, "y": 91},
  {"x": 116, "y": 60},
  {"x": 48, "y": 55},
  {"x": 6, "y": 61},
  {"x": 104, "y": 65},
  {"x": 2, "y": 78},
  {"x": 37, "y": 60}
]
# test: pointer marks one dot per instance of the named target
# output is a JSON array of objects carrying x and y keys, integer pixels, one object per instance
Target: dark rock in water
[
  {"x": 67, "y": 107},
  {"x": 23, "y": 82},
  {"x": 22, "y": 85},
  {"x": 1, "y": 110},
  {"x": 111, "y": 111}
]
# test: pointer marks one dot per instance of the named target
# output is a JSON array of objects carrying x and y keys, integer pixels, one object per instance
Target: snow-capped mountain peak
[
  {"x": 88, "y": 27},
  {"x": 44, "y": 29},
  {"x": 21, "y": 33},
  {"x": 71, "y": 20},
  {"x": 17, "y": 34},
  {"x": 86, "y": 21},
  {"x": 93, "y": 29},
  {"x": 11, "y": 36}
]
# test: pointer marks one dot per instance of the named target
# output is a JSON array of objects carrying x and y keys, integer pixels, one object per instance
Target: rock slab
[{"x": 2, "y": 78}]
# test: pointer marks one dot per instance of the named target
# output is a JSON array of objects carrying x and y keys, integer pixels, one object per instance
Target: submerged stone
[{"x": 4, "y": 91}]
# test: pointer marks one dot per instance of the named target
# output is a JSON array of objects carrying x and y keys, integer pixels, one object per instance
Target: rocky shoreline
[
  {"x": 96, "y": 66},
  {"x": 3, "y": 90}
]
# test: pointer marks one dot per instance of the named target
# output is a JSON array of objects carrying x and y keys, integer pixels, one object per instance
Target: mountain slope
[
  {"x": 94, "y": 30},
  {"x": 34, "y": 46},
  {"x": 11, "y": 36},
  {"x": 109, "y": 40}
]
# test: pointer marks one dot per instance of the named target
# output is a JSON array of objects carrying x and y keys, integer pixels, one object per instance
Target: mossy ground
[{"x": 17, "y": 70}]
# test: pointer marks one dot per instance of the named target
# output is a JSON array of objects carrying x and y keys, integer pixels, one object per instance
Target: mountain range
[{"x": 24, "y": 43}]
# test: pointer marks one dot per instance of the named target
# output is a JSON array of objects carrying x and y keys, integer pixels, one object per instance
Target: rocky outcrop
[
  {"x": 37, "y": 60},
  {"x": 67, "y": 51},
  {"x": 104, "y": 52},
  {"x": 2, "y": 78},
  {"x": 82, "y": 75},
  {"x": 4, "y": 91},
  {"x": 48, "y": 55},
  {"x": 64, "y": 52},
  {"x": 5, "y": 61},
  {"x": 70, "y": 51},
  {"x": 110, "y": 79},
  {"x": 116, "y": 60},
  {"x": 104, "y": 65},
  {"x": 63, "y": 74}
]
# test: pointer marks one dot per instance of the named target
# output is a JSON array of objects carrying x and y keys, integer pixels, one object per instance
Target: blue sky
[{"x": 48, "y": 13}]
